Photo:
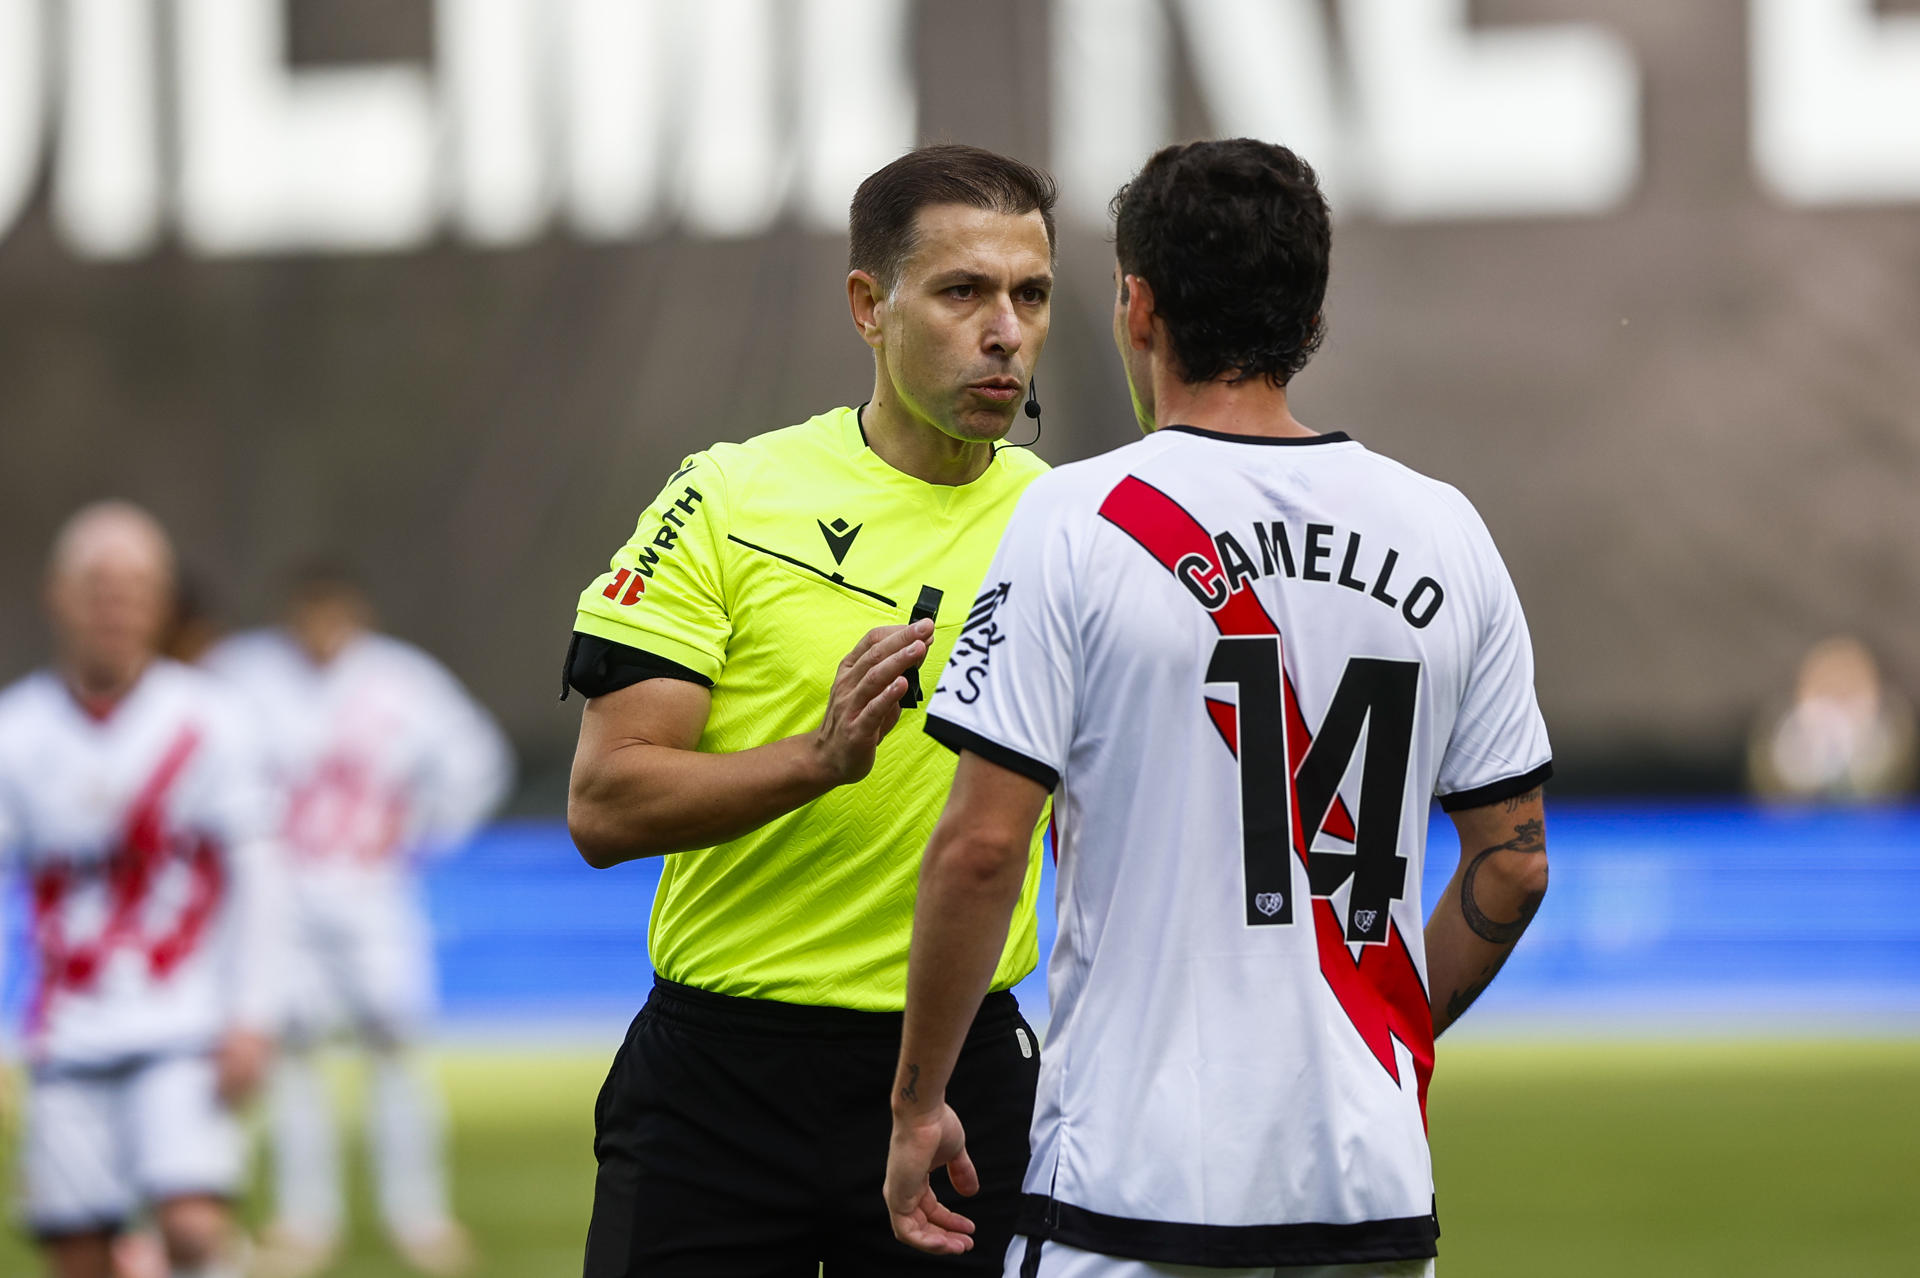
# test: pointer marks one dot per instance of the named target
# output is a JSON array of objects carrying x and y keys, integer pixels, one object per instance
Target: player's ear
[
  {"x": 1139, "y": 303},
  {"x": 867, "y": 300}
]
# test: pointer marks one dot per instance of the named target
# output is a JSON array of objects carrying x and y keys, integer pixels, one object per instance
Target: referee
[{"x": 780, "y": 607}]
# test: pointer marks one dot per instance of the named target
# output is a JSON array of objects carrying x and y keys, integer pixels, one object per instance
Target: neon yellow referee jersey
[{"x": 758, "y": 567}]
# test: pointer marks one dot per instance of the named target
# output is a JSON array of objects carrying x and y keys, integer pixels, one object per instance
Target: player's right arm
[
  {"x": 1496, "y": 889},
  {"x": 652, "y": 635}
]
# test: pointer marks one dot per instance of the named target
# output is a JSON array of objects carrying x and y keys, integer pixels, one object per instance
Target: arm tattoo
[
  {"x": 911, "y": 1092},
  {"x": 1463, "y": 999},
  {"x": 1528, "y": 837},
  {"x": 1513, "y": 804}
]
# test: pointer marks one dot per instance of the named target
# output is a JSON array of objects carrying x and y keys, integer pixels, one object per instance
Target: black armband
[{"x": 596, "y": 666}]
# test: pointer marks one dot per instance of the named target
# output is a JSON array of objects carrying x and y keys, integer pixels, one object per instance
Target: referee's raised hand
[{"x": 865, "y": 702}]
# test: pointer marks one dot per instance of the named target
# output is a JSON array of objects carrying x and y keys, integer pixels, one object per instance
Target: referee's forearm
[{"x": 639, "y": 800}]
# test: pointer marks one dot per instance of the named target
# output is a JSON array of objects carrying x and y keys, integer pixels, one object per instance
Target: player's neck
[
  {"x": 1254, "y": 406},
  {"x": 99, "y": 687},
  {"x": 917, "y": 448}
]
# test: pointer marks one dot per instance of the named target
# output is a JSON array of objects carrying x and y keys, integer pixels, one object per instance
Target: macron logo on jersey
[{"x": 839, "y": 537}]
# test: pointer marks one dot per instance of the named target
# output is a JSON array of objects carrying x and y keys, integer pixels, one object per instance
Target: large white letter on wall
[
  {"x": 491, "y": 56},
  {"x": 274, "y": 160},
  {"x": 1265, "y": 70},
  {"x": 1112, "y": 97},
  {"x": 22, "y": 105},
  {"x": 733, "y": 169},
  {"x": 615, "y": 99},
  {"x": 1836, "y": 101},
  {"x": 846, "y": 132},
  {"x": 1493, "y": 123},
  {"x": 106, "y": 174}
]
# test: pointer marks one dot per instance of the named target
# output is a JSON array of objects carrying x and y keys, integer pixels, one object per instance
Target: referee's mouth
[{"x": 1001, "y": 390}]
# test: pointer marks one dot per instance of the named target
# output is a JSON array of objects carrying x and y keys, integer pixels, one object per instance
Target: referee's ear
[{"x": 867, "y": 300}]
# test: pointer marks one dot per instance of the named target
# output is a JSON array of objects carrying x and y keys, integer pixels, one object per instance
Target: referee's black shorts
[{"x": 740, "y": 1138}]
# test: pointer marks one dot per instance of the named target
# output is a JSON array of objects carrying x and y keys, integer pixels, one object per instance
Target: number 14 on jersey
[{"x": 1290, "y": 779}]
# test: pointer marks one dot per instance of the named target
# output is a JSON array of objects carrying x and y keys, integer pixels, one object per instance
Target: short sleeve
[
  {"x": 663, "y": 594},
  {"x": 1499, "y": 745},
  {"x": 1010, "y": 689}
]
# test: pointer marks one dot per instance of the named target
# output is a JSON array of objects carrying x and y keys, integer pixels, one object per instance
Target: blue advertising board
[{"x": 1685, "y": 917}]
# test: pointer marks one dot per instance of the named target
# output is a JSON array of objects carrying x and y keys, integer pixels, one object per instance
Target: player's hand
[
  {"x": 921, "y": 1143},
  {"x": 241, "y": 1060},
  {"x": 865, "y": 702}
]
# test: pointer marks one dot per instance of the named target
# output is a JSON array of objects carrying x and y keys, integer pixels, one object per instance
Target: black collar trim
[{"x": 1290, "y": 441}]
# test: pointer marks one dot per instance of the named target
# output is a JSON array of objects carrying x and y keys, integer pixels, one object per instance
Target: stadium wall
[{"x": 1681, "y": 388}]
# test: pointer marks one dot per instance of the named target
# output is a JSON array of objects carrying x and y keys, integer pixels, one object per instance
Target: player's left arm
[
  {"x": 1495, "y": 892},
  {"x": 1496, "y": 760},
  {"x": 970, "y": 881}
]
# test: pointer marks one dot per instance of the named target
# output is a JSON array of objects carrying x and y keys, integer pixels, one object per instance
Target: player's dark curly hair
[
  {"x": 1233, "y": 237},
  {"x": 880, "y": 224}
]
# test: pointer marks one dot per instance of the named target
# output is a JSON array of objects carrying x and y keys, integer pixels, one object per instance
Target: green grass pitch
[{"x": 1564, "y": 1159}]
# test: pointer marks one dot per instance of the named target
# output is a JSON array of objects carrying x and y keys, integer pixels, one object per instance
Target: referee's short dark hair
[
  {"x": 1233, "y": 237},
  {"x": 881, "y": 221}
]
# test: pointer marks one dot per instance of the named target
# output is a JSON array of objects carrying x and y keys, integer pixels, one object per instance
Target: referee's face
[{"x": 962, "y": 328}]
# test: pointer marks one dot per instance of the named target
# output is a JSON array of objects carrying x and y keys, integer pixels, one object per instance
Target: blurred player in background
[
  {"x": 1845, "y": 736},
  {"x": 133, "y": 796},
  {"x": 383, "y": 759},
  {"x": 1249, "y": 656},
  {"x": 728, "y": 723}
]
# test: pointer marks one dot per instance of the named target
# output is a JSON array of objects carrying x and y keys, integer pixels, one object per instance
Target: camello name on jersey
[{"x": 1309, "y": 555}]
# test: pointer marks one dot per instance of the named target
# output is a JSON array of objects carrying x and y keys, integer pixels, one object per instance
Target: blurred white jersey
[
  {"x": 146, "y": 834},
  {"x": 382, "y": 758},
  {"x": 1249, "y": 665},
  {"x": 381, "y": 754}
]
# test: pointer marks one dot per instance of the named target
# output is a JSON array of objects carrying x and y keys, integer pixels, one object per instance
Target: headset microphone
[{"x": 1032, "y": 410}]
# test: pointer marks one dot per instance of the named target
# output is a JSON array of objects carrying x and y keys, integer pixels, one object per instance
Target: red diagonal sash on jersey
[
  {"x": 145, "y": 848},
  {"x": 1381, "y": 993}
]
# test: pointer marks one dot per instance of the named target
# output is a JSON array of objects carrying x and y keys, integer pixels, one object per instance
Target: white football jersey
[
  {"x": 381, "y": 754},
  {"x": 156, "y": 898},
  {"x": 1249, "y": 666}
]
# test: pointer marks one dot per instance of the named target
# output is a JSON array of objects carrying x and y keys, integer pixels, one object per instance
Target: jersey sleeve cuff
[
  {"x": 681, "y": 653},
  {"x": 956, "y": 738},
  {"x": 1494, "y": 791},
  {"x": 596, "y": 667}
]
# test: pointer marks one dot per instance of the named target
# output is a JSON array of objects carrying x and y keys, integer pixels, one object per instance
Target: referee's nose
[{"x": 1003, "y": 334}]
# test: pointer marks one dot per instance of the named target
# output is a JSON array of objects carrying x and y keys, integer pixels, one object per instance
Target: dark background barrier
[{"x": 1677, "y": 377}]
